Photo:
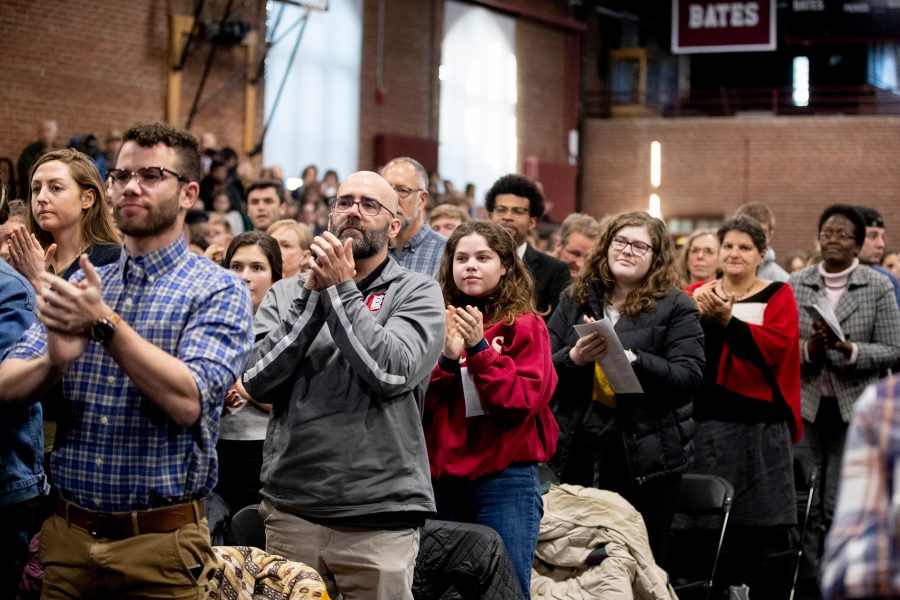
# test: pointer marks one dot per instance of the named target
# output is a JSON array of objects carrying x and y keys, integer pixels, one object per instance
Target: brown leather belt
[{"x": 121, "y": 525}]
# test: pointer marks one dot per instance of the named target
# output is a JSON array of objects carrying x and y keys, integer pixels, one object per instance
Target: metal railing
[{"x": 730, "y": 101}]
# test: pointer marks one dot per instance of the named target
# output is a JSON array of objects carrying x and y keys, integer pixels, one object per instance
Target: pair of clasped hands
[
  {"x": 463, "y": 328},
  {"x": 330, "y": 262},
  {"x": 711, "y": 305}
]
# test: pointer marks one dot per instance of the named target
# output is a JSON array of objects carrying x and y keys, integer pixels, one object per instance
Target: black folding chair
[
  {"x": 701, "y": 496},
  {"x": 248, "y": 528},
  {"x": 808, "y": 473},
  {"x": 806, "y": 476}
]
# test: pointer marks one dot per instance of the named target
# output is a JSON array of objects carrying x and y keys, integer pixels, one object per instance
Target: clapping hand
[
  {"x": 331, "y": 262},
  {"x": 469, "y": 324},
  {"x": 26, "y": 255},
  {"x": 453, "y": 341},
  {"x": 710, "y": 305},
  {"x": 68, "y": 309}
]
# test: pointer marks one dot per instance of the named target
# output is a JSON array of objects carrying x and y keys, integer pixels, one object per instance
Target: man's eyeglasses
[
  {"x": 367, "y": 206},
  {"x": 404, "y": 192},
  {"x": 842, "y": 236},
  {"x": 638, "y": 248},
  {"x": 147, "y": 177},
  {"x": 519, "y": 211}
]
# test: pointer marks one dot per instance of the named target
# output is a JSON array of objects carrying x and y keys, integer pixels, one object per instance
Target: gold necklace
[{"x": 736, "y": 296}]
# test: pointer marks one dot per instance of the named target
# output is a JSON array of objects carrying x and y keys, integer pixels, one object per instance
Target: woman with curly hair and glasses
[
  {"x": 487, "y": 420},
  {"x": 635, "y": 444}
]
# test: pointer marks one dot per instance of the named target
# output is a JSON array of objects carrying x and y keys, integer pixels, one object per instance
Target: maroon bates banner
[{"x": 709, "y": 26}]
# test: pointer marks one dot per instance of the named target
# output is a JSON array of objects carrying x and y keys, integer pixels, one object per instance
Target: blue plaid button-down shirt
[
  {"x": 423, "y": 252},
  {"x": 115, "y": 450}
]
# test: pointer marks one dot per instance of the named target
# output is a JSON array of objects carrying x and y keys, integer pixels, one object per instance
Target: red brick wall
[
  {"x": 541, "y": 109},
  {"x": 796, "y": 165},
  {"x": 410, "y": 104},
  {"x": 94, "y": 65},
  {"x": 410, "y": 92}
]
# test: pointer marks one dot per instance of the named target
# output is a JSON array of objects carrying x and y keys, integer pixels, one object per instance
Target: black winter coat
[
  {"x": 657, "y": 426},
  {"x": 458, "y": 561}
]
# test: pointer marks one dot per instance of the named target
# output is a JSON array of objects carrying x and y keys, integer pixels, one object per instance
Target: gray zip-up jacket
[{"x": 346, "y": 371}]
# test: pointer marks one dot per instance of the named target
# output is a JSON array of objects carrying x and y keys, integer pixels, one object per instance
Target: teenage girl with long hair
[{"x": 487, "y": 417}]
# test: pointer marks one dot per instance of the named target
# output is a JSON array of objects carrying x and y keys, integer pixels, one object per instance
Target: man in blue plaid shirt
[
  {"x": 144, "y": 350},
  {"x": 417, "y": 246}
]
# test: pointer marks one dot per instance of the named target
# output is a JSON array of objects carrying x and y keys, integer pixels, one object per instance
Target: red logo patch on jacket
[{"x": 374, "y": 302}]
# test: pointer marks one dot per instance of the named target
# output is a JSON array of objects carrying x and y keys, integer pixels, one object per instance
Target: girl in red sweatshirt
[{"x": 487, "y": 420}]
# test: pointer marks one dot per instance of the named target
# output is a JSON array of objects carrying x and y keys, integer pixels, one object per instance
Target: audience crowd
[{"x": 363, "y": 353}]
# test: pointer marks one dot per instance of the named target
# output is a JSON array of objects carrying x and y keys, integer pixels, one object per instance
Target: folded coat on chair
[{"x": 578, "y": 520}]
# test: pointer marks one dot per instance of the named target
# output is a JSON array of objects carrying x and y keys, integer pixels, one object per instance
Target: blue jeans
[{"x": 509, "y": 502}]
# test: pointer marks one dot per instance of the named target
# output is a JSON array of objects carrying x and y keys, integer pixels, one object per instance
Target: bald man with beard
[{"x": 344, "y": 355}]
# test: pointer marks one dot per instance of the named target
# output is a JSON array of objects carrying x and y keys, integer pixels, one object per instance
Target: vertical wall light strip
[
  {"x": 800, "y": 96},
  {"x": 655, "y": 163},
  {"x": 655, "y": 208}
]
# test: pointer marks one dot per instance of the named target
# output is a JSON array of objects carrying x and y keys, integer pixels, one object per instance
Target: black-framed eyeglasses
[
  {"x": 404, "y": 192},
  {"x": 638, "y": 248},
  {"x": 367, "y": 206},
  {"x": 147, "y": 177},
  {"x": 519, "y": 211},
  {"x": 825, "y": 235}
]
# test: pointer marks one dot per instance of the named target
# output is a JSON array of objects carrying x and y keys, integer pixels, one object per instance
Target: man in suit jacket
[{"x": 516, "y": 203}]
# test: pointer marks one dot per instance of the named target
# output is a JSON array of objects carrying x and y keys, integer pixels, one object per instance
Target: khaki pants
[
  {"x": 356, "y": 563},
  {"x": 178, "y": 564}
]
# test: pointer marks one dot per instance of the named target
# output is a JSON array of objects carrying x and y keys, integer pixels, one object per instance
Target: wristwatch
[{"x": 103, "y": 329}]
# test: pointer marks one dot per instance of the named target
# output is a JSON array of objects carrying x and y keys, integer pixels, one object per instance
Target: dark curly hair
[
  {"x": 186, "y": 146},
  {"x": 517, "y": 185},
  {"x": 660, "y": 278},
  {"x": 514, "y": 294}
]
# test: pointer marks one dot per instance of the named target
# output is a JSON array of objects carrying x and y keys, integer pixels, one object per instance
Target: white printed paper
[
  {"x": 615, "y": 363},
  {"x": 470, "y": 393},
  {"x": 822, "y": 309}
]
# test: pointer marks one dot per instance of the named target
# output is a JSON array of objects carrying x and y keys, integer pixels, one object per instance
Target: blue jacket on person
[{"x": 21, "y": 425}]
